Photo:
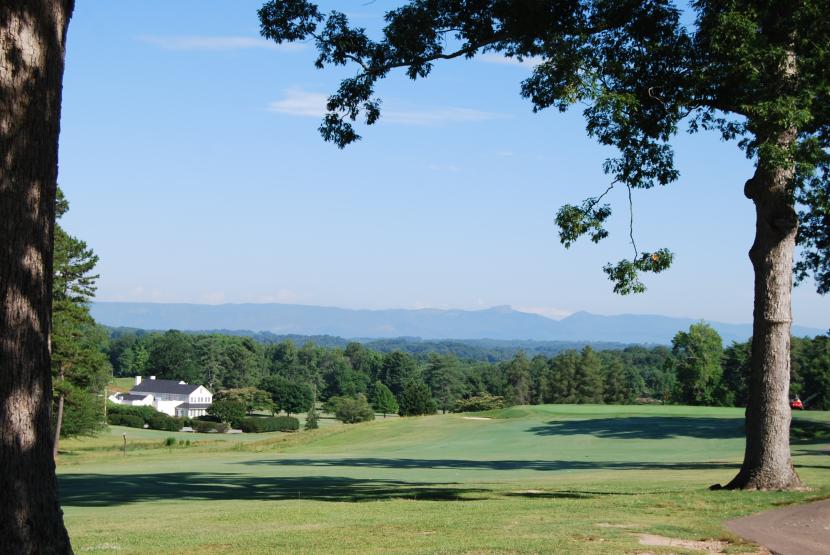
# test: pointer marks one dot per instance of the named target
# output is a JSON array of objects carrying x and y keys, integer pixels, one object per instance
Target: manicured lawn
[{"x": 563, "y": 479}]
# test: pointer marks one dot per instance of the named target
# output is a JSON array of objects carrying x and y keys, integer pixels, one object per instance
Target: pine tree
[
  {"x": 588, "y": 378},
  {"x": 416, "y": 399}
]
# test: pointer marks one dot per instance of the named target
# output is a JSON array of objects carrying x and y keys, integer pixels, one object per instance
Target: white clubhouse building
[{"x": 167, "y": 396}]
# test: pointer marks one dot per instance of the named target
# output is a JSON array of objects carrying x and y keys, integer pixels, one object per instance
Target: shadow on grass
[
  {"x": 103, "y": 490},
  {"x": 809, "y": 431},
  {"x": 646, "y": 427},
  {"x": 463, "y": 464}
]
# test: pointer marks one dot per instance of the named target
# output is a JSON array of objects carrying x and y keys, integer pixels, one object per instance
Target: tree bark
[
  {"x": 32, "y": 45},
  {"x": 58, "y": 423},
  {"x": 767, "y": 463}
]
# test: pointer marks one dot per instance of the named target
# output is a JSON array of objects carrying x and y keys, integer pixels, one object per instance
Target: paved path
[{"x": 797, "y": 530}]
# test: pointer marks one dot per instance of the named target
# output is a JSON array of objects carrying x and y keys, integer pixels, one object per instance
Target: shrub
[
  {"x": 143, "y": 412},
  {"x": 311, "y": 420},
  {"x": 204, "y": 426},
  {"x": 477, "y": 403},
  {"x": 170, "y": 442},
  {"x": 273, "y": 424},
  {"x": 228, "y": 411},
  {"x": 331, "y": 404},
  {"x": 351, "y": 410},
  {"x": 161, "y": 421},
  {"x": 129, "y": 420}
]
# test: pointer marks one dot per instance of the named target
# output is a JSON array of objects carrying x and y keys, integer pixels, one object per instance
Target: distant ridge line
[{"x": 497, "y": 323}]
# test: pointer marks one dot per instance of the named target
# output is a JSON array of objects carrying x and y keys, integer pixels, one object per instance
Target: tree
[
  {"x": 383, "y": 400},
  {"x": 228, "y": 411},
  {"x": 250, "y": 397},
  {"x": 396, "y": 370},
  {"x": 735, "y": 363},
  {"x": 351, "y": 410},
  {"x": 517, "y": 372},
  {"x": 443, "y": 376},
  {"x": 311, "y": 419},
  {"x": 753, "y": 71},
  {"x": 588, "y": 378},
  {"x": 288, "y": 396},
  {"x": 80, "y": 369},
  {"x": 31, "y": 73},
  {"x": 416, "y": 399},
  {"x": 615, "y": 388},
  {"x": 696, "y": 357}
]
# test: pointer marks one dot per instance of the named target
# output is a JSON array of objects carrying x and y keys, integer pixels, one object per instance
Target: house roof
[
  {"x": 164, "y": 386},
  {"x": 130, "y": 396}
]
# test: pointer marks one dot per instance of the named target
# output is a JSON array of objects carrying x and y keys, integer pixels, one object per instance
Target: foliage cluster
[
  {"x": 269, "y": 424},
  {"x": 478, "y": 403},
  {"x": 351, "y": 410}
]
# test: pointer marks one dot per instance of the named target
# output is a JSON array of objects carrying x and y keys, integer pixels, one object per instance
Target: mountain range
[{"x": 501, "y": 322}]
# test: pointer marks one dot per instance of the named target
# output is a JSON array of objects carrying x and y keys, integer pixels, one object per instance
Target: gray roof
[
  {"x": 130, "y": 396},
  {"x": 164, "y": 386}
]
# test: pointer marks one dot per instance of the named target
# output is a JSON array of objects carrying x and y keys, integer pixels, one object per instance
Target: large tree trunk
[
  {"x": 767, "y": 463},
  {"x": 32, "y": 40}
]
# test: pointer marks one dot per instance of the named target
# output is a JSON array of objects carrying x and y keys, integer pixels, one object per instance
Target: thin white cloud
[
  {"x": 546, "y": 311},
  {"x": 528, "y": 63},
  {"x": 297, "y": 102},
  {"x": 215, "y": 43}
]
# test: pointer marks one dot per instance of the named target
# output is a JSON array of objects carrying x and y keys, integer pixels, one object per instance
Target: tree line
[{"x": 696, "y": 369}]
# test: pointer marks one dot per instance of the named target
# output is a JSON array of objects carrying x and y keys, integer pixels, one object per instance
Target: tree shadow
[
  {"x": 646, "y": 427},
  {"x": 103, "y": 490},
  {"x": 463, "y": 464}
]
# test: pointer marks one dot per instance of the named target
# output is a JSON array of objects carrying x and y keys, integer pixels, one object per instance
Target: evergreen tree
[
  {"x": 80, "y": 366},
  {"x": 615, "y": 389},
  {"x": 311, "y": 419},
  {"x": 416, "y": 399},
  {"x": 383, "y": 400},
  {"x": 443, "y": 376},
  {"x": 588, "y": 378},
  {"x": 517, "y": 372},
  {"x": 562, "y": 388}
]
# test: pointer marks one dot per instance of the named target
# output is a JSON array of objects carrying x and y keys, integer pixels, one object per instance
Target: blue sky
[{"x": 191, "y": 158}]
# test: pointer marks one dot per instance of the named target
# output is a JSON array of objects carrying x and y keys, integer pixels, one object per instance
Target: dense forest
[{"x": 695, "y": 369}]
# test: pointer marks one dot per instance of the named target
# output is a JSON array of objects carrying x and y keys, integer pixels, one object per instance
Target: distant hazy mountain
[{"x": 495, "y": 323}]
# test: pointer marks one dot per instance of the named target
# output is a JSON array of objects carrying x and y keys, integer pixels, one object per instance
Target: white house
[{"x": 167, "y": 396}]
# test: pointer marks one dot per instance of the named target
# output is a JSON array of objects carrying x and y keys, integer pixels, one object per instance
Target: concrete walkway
[{"x": 797, "y": 530}]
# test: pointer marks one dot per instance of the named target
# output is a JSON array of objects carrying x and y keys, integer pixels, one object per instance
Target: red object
[{"x": 796, "y": 404}]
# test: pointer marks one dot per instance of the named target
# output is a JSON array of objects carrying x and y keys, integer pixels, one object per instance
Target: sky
[{"x": 192, "y": 162}]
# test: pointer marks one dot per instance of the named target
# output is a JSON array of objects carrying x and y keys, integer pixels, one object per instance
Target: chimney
[
  {"x": 152, "y": 377},
  {"x": 137, "y": 380}
]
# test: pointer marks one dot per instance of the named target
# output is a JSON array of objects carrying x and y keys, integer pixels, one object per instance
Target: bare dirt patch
[{"x": 709, "y": 546}]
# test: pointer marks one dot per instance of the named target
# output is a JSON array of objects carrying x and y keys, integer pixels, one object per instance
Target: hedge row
[
  {"x": 129, "y": 420},
  {"x": 205, "y": 426},
  {"x": 273, "y": 424},
  {"x": 137, "y": 417}
]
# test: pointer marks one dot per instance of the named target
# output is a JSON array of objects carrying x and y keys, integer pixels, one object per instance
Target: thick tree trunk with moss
[
  {"x": 32, "y": 42},
  {"x": 767, "y": 463}
]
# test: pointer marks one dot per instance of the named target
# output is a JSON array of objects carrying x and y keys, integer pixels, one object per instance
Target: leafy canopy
[{"x": 749, "y": 70}]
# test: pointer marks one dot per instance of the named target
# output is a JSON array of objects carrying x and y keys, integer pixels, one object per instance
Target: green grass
[{"x": 564, "y": 479}]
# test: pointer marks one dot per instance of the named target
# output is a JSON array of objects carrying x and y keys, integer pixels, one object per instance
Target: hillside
[{"x": 500, "y": 323}]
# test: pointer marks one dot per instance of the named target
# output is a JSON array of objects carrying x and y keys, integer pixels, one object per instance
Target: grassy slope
[{"x": 578, "y": 479}]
